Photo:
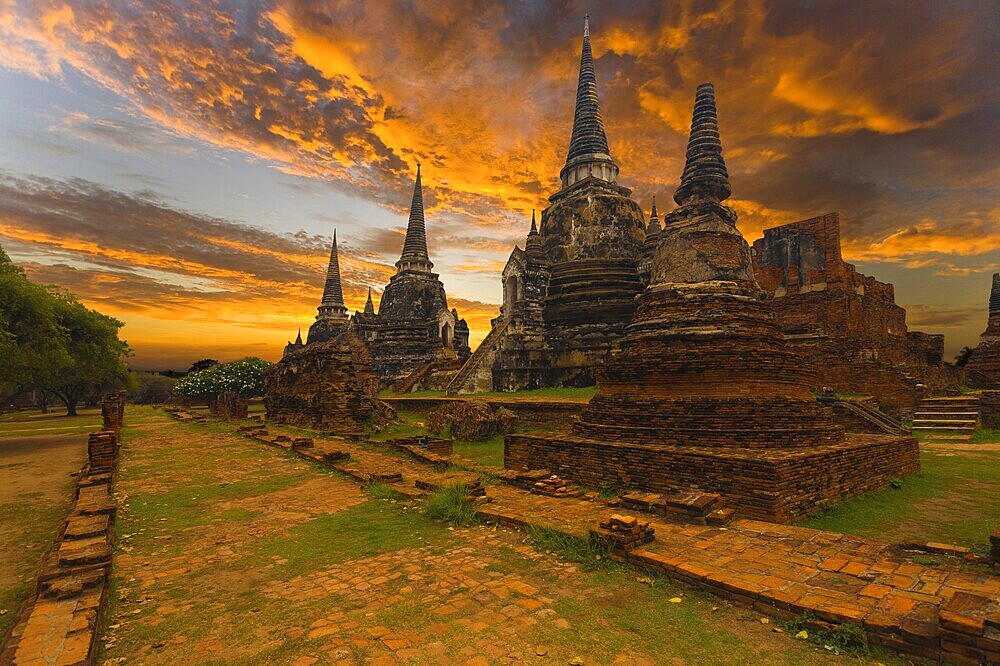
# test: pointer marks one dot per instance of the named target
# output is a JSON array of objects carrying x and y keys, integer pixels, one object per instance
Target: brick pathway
[
  {"x": 781, "y": 570},
  {"x": 203, "y": 577}
]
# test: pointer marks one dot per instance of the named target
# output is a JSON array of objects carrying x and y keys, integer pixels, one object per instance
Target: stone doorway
[{"x": 447, "y": 333}]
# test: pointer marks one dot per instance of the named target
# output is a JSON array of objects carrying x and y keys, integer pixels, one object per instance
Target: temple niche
[
  {"x": 568, "y": 295},
  {"x": 845, "y": 325},
  {"x": 705, "y": 394},
  {"x": 983, "y": 367}
]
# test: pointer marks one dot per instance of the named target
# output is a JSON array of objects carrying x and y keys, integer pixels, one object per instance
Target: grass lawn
[
  {"x": 32, "y": 422},
  {"x": 411, "y": 424},
  {"x": 230, "y": 552},
  {"x": 953, "y": 499},
  {"x": 585, "y": 393}
]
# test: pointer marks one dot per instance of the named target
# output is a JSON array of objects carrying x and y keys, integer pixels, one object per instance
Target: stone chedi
[
  {"x": 413, "y": 327},
  {"x": 569, "y": 294},
  {"x": 704, "y": 394},
  {"x": 329, "y": 383},
  {"x": 983, "y": 369},
  {"x": 846, "y": 325}
]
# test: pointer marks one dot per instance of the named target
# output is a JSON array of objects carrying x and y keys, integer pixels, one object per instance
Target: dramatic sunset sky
[{"x": 181, "y": 166}]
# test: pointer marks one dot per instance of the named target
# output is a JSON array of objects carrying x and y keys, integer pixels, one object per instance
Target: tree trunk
[{"x": 71, "y": 406}]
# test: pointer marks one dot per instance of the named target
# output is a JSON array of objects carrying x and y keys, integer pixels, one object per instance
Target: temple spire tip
[{"x": 705, "y": 176}]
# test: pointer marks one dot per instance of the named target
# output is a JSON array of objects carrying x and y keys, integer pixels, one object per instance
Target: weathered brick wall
[
  {"x": 846, "y": 325},
  {"x": 989, "y": 409},
  {"x": 533, "y": 413},
  {"x": 775, "y": 485}
]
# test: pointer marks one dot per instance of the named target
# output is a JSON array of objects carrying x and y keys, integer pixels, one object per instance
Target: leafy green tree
[
  {"x": 97, "y": 355},
  {"x": 151, "y": 388},
  {"x": 33, "y": 344},
  {"x": 245, "y": 377}
]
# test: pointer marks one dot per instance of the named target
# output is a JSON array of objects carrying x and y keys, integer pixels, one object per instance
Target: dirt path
[
  {"x": 35, "y": 489},
  {"x": 233, "y": 552}
]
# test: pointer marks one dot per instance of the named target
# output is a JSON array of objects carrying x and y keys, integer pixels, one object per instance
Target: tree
[
  {"x": 151, "y": 388},
  {"x": 203, "y": 364},
  {"x": 245, "y": 377},
  {"x": 97, "y": 355},
  {"x": 33, "y": 345},
  {"x": 51, "y": 343}
]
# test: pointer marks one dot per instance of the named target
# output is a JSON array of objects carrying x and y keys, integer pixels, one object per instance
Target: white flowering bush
[{"x": 245, "y": 377}]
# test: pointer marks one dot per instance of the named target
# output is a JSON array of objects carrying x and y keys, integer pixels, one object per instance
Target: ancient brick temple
[
  {"x": 568, "y": 295},
  {"x": 329, "y": 383},
  {"x": 705, "y": 394},
  {"x": 846, "y": 325},
  {"x": 983, "y": 369},
  {"x": 413, "y": 328}
]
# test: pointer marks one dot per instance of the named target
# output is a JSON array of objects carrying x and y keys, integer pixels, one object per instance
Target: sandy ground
[{"x": 35, "y": 493}]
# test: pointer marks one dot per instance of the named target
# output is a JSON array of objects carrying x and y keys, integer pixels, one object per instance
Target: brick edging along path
[
  {"x": 936, "y": 612},
  {"x": 58, "y": 623}
]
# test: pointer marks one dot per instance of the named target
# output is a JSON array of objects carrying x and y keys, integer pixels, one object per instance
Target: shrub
[
  {"x": 150, "y": 388},
  {"x": 451, "y": 504}
]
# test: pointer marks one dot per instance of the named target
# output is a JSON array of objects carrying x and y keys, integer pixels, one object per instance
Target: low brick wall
[
  {"x": 769, "y": 484},
  {"x": 989, "y": 409},
  {"x": 530, "y": 413},
  {"x": 59, "y": 621}
]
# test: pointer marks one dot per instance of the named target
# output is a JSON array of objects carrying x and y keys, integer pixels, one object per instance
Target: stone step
[
  {"x": 962, "y": 422},
  {"x": 935, "y": 414},
  {"x": 926, "y": 427}
]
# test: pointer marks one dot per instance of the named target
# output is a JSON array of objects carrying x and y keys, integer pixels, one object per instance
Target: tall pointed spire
[
  {"x": 653, "y": 231},
  {"x": 369, "y": 306},
  {"x": 332, "y": 304},
  {"x": 588, "y": 153},
  {"x": 995, "y": 295},
  {"x": 533, "y": 243},
  {"x": 298, "y": 338},
  {"x": 654, "y": 220},
  {"x": 705, "y": 176},
  {"x": 414, "y": 255}
]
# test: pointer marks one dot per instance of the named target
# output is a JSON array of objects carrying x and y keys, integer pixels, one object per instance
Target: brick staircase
[
  {"x": 958, "y": 415},
  {"x": 478, "y": 357}
]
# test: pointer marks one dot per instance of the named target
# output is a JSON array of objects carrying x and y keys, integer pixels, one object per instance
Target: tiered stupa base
[
  {"x": 776, "y": 484},
  {"x": 705, "y": 396}
]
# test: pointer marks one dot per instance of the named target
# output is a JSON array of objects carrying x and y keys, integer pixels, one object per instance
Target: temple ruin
[
  {"x": 846, "y": 325},
  {"x": 983, "y": 369},
  {"x": 568, "y": 295},
  {"x": 413, "y": 330},
  {"x": 329, "y": 383},
  {"x": 705, "y": 394}
]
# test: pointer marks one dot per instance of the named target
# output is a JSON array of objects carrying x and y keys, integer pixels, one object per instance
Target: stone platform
[{"x": 775, "y": 484}]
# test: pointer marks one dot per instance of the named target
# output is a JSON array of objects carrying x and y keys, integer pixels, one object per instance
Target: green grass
[
  {"x": 583, "y": 551},
  {"x": 28, "y": 423},
  {"x": 363, "y": 530},
  {"x": 951, "y": 500},
  {"x": 568, "y": 393},
  {"x": 487, "y": 452},
  {"x": 450, "y": 504}
]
